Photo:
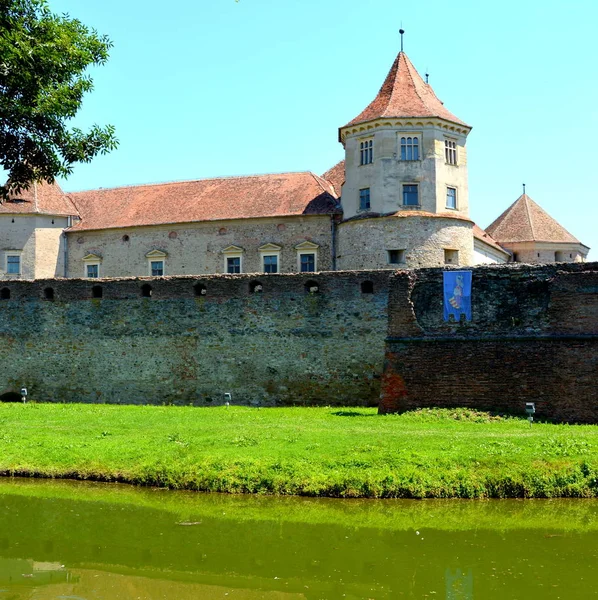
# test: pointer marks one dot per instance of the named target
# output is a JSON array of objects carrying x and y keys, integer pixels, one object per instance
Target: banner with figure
[{"x": 457, "y": 294}]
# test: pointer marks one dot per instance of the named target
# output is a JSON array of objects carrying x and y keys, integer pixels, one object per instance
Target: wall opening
[
  {"x": 97, "y": 291},
  {"x": 255, "y": 287},
  {"x": 200, "y": 289},
  {"x": 367, "y": 287},
  {"x": 146, "y": 290},
  {"x": 312, "y": 287},
  {"x": 4, "y": 294},
  {"x": 395, "y": 257},
  {"x": 49, "y": 293},
  {"x": 451, "y": 257},
  {"x": 560, "y": 257},
  {"x": 11, "y": 397}
]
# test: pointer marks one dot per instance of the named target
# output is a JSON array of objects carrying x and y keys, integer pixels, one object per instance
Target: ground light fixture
[
  {"x": 530, "y": 409},
  {"x": 24, "y": 394},
  {"x": 227, "y": 399}
]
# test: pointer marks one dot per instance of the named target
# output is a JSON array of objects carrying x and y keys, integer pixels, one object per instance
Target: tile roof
[
  {"x": 526, "y": 221},
  {"x": 404, "y": 94},
  {"x": 40, "y": 198},
  {"x": 254, "y": 196},
  {"x": 336, "y": 177},
  {"x": 485, "y": 237}
]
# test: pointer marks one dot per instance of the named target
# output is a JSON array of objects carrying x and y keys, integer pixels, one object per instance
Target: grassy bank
[{"x": 306, "y": 451}]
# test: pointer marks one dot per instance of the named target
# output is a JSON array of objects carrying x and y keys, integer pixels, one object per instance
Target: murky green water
[{"x": 73, "y": 541}]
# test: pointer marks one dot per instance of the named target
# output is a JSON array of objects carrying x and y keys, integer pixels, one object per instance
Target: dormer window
[
  {"x": 410, "y": 148},
  {"x": 366, "y": 150},
  {"x": 450, "y": 152}
]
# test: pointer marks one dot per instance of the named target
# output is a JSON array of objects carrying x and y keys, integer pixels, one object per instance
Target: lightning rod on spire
[
  {"x": 401, "y": 31},
  {"x": 524, "y": 189}
]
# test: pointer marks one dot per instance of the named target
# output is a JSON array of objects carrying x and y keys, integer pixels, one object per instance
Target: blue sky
[{"x": 201, "y": 88}]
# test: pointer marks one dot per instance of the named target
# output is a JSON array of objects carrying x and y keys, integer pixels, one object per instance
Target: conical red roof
[
  {"x": 526, "y": 221},
  {"x": 405, "y": 94}
]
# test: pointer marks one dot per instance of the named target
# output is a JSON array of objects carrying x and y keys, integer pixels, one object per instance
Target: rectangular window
[
  {"x": 366, "y": 152},
  {"x": 157, "y": 268},
  {"x": 410, "y": 195},
  {"x": 233, "y": 264},
  {"x": 451, "y": 257},
  {"x": 308, "y": 263},
  {"x": 451, "y": 197},
  {"x": 93, "y": 271},
  {"x": 396, "y": 257},
  {"x": 364, "y": 199},
  {"x": 410, "y": 148},
  {"x": 450, "y": 151},
  {"x": 13, "y": 264},
  {"x": 271, "y": 263}
]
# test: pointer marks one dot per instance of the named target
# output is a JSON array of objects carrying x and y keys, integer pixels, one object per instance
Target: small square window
[
  {"x": 271, "y": 263},
  {"x": 93, "y": 271},
  {"x": 308, "y": 263},
  {"x": 450, "y": 151},
  {"x": 157, "y": 268},
  {"x": 233, "y": 264},
  {"x": 366, "y": 152},
  {"x": 451, "y": 197},
  {"x": 410, "y": 195},
  {"x": 451, "y": 257},
  {"x": 396, "y": 257},
  {"x": 13, "y": 264},
  {"x": 364, "y": 199}
]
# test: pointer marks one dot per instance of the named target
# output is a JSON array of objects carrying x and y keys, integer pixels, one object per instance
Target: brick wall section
[
  {"x": 533, "y": 338},
  {"x": 282, "y": 346}
]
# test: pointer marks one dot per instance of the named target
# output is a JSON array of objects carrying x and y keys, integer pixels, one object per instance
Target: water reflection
[{"x": 68, "y": 541}]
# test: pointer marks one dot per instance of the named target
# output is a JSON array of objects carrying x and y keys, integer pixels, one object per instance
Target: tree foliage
[{"x": 43, "y": 62}]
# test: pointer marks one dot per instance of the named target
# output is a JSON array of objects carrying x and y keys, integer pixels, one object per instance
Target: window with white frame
[
  {"x": 91, "y": 266},
  {"x": 156, "y": 263},
  {"x": 13, "y": 264},
  {"x": 366, "y": 152},
  {"x": 307, "y": 257},
  {"x": 270, "y": 255},
  {"x": 233, "y": 259},
  {"x": 410, "y": 147},
  {"x": 450, "y": 151},
  {"x": 451, "y": 197},
  {"x": 410, "y": 194}
]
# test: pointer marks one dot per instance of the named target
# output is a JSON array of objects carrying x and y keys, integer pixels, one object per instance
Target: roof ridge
[
  {"x": 529, "y": 214},
  {"x": 320, "y": 181}
]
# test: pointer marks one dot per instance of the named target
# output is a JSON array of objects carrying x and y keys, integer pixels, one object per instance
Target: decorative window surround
[
  {"x": 366, "y": 152},
  {"x": 92, "y": 266},
  {"x": 409, "y": 147},
  {"x": 270, "y": 258},
  {"x": 305, "y": 251},
  {"x": 233, "y": 252},
  {"x": 154, "y": 258},
  {"x": 450, "y": 151}
]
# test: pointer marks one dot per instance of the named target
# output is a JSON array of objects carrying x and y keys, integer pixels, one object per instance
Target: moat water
[{"x": 79, "y": 541}]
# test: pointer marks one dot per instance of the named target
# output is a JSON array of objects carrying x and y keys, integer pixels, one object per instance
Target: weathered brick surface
[
  {"x": 533, "y": 337},
  {"x": 281, "y": 346}
]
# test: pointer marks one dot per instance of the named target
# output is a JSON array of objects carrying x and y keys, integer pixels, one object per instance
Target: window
[
  {"x": 409, "y": 148},
  {"x": 396, "y": 257},
  {"x": 451, "y": 197},
  {"x": 364, "y": 199},
  {"x": 307, "y": 262},
  {"x": 450, "y": 151},
  {"x": 410, "y": 195},
  {"x": 451, "y": 257},
  {"x": 233, "y": 264},
  {"x": 270, "y": 263},
  {"x": 157, "y": 268},
  {"x": 92, "y": 270},
  {"x": 13, "y": 264},
  {"x": 366, "y": 152}
]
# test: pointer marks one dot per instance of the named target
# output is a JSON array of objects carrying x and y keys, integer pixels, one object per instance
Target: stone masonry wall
[
  {"x": 533, "y": 338},
  {"x": 281, "y": 346}
]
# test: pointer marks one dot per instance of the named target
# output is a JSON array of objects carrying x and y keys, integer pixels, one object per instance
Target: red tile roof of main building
[
  {"x": 404, "y": 94},
  {"x": 277, "y": 195}
]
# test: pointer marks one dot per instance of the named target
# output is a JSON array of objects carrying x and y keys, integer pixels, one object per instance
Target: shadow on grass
[{"x": 353, "y": 413}]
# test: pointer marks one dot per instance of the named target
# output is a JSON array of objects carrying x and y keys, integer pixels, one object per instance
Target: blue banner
[{"x": 457, "y": 294}]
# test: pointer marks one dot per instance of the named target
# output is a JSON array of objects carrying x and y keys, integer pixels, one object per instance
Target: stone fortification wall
[
  {"x": 283, "y": 345},
  {"x": 533, "y": 338}
]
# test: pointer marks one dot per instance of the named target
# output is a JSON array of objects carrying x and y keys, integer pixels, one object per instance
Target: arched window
[
  {"x": 255, "y": 287},
  {"x": 200, "y": 289},
  {"x": 146, "y": 290},
  {"x": 410, "y": 148},
  {"x": 97, "y": 291},
  {"x": 4, "y": 294},
  {"x": 312, "y": 287}
]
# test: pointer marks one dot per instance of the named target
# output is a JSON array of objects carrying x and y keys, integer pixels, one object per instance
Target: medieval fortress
[{"x": 302, "y": 289}]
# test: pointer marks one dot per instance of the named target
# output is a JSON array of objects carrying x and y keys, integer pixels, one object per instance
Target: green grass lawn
[{"x": 306, "y": 451}]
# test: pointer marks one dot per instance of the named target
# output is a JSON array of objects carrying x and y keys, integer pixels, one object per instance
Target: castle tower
[{"x": 405, "y": 196}]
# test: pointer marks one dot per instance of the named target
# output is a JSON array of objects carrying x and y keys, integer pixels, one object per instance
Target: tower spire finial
[
  {"x": 524, "y": 189},
  {"x": 401, "y": 31}
]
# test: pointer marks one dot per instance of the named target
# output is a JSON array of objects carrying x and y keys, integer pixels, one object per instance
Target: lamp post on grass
[
  {"x": 24, "y": 394},
  {"x": 530, "y": 409}
]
